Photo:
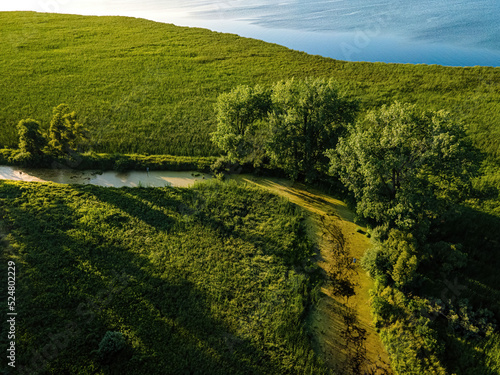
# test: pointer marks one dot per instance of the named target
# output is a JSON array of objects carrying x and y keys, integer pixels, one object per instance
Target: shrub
[
  {"x": 110, "y": 345},
  {"x": 122, "y": 164}
]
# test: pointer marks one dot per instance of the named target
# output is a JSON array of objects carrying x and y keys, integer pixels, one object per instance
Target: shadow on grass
[
  {"x": 478, "y": 281},
  {"x": 479, "y": 232},
  {"x": 75, "y": 285}
]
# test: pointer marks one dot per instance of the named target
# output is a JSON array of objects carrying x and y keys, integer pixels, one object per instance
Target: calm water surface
[
  {"x": 108, "y": 178},
  {"x": 446, "y": 32}
]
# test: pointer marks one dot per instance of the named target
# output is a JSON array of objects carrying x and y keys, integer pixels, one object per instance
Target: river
[
  {"x": 108, "y": 178},
  {"x": 445, "y": 32}
]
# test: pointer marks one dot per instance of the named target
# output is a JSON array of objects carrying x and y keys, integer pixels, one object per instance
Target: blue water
[{"x": 445, "y": 32}]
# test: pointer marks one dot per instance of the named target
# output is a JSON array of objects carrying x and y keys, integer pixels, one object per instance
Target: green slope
[
  {"x": 148, "y": 87},
  {"x": 214, "y": 279}
]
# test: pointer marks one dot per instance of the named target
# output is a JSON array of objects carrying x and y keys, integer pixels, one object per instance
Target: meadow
[
  {"x": 208, "y": 269},
  {"x": 149, "y": 88},
  {"x": 195, "y": 280}
]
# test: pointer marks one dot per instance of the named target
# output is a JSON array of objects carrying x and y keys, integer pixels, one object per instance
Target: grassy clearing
[
  {"x": 145, "y": 87},
  {"x": 213, "y": 279}
]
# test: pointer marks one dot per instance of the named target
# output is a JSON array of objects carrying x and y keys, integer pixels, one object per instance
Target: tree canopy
[
  {"x": 65, "y": 132},
  {"x": 31, "y": 140},
  {"x": 307, "y": 118},
  {"x": 404, "y": 165},
  {"x": 238, "y": 114},
  {"x": 293, "y": 123}
]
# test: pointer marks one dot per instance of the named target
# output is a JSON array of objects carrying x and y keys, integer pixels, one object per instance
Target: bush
[
  {"x": 25, "y": 159},
  {"x": 469, "y": 323},
  {"x": 224, "y": 166},
  {"x": 6, "y": 155},
  {"x": 110, "y": 345},
  {"x": 22, "y": 158},
  {"x": 122, "y": 164}
]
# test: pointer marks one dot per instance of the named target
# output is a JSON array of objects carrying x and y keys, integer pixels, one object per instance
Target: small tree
[
  {"x": 238, "y": 132},
  {"x": 31, "y": 140},
  {"x": 65, "y": 133},
  {"x": 111, "y": 344}
]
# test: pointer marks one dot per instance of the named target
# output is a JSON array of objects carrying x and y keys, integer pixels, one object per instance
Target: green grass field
[
  {"x": 149, "y": 88},
  {"x": 212, "y": 279}
]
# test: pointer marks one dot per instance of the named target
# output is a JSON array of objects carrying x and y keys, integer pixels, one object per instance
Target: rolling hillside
[{"x": 147, "y": 87}]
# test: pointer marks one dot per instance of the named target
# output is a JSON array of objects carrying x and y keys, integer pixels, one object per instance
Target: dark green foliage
[
  {"x": 292, "y": 124},
  {"x": 407, "y": 332},
  {"x": 65, "y": 133},
  {"x": 31, "y": 144},
  {"x": 405, "y": 166},
  {"x": 410, "y": 169},
  {"x": 215, "y": 279},
  {"x": 395, "y": 261},
  {"x": 115, "y": 161},
  {"x": 238, "y": 132},
  {"x": 307, "y": 118},
  {"x": 6, "y": 155},
  {"x": 111, "y": 344},
  {"x": 31, "y": 140},
  {"x": 431, "y": 303}
]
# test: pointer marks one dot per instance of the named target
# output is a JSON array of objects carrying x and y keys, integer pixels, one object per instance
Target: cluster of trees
[
  {"x": 406, "y": 168},
  {"x": 403, "y": 165},
  {"x": 64, "y": 137},
  {"x": 290, "y": 125}
]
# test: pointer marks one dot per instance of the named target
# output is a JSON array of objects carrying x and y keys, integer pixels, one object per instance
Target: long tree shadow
[
  {"x": 76, "y": 285},
  {"x": 157, "y": 207},
  {"x": 312, "y": 199},
  {"x": 134, "y": 204}
]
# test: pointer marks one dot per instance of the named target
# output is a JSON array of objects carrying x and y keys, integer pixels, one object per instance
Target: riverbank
[
  {"x": 325, "y": 320},
  {"x": 111, "y": 162},
  {"x": 143, "y": 178}
]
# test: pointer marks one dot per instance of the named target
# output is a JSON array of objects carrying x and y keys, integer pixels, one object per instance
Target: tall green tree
[
  {"x": 31, "y": 140},
  {"x": 307, "y": 118},
  {"x": 65, "y": 132},
  {"x": 403, "y": 165},
  {"x": 239, "y": 128}
]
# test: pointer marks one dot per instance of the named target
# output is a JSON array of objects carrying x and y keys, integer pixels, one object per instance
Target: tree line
[
  {"x": 407, "y": 170},
  {"x": 403, "y": 165},
  {"x": 64, "y": 137}
]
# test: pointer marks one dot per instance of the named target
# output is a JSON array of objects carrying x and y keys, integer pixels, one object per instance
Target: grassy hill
[
  {"x": 198, "y": 262},
  {"x": 214, "y": 279},
  {"x": 147, "y": 87}
]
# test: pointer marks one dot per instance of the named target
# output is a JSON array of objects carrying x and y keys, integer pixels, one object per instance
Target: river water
[
  {"x": 445, "y": 32},
  {"x": 108, "y": 178}
]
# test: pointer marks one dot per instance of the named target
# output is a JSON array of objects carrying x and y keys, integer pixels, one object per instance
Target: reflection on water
[{"x": 108, "y": 178}]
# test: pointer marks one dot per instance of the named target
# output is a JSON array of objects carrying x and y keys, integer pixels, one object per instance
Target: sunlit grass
[
  {"x": 212, "y": 279},
  {"x": 146, "y": 87}
]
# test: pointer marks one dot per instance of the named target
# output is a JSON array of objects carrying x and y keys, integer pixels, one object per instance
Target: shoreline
[{"x": 368, "y": 44}]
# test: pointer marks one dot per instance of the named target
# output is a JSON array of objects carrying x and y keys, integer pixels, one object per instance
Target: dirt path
[{"x": 326, "y": 320}]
